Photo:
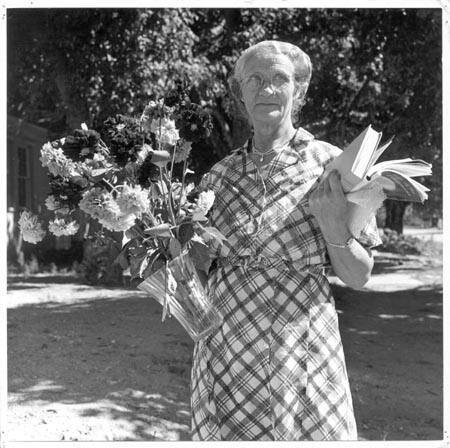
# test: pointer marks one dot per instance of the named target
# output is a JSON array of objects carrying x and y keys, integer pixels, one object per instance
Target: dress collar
[
  {"x": 301, "y": 135},
  {"x": 289, "y": 156},
  {"x": 292, "y": 153}
]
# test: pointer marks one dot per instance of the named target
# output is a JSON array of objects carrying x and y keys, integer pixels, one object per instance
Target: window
[{"x": 23, "y": 177}]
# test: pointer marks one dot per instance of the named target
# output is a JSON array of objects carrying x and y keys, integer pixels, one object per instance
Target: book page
[
  {"x": 376, "y": 155},
  {"x": 345, "y": 161},
  {"x": 365, "y": 152},
  {"x": 408, "y": 167},
  {"x": 403, "y": 188}
]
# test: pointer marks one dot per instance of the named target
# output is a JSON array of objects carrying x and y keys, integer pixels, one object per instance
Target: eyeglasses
[{"x": 256, "y": 81}]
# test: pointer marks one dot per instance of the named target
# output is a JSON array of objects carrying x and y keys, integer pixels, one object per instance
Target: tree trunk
[
  {"x": 76, "y": 109},
  {"x": 394, "y": 214}
]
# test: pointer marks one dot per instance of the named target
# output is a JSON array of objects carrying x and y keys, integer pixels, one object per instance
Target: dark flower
[
  {"x": 147, "y": 173},
  {"x": 125, "y": 137},
  {"x": 81, "y": 143},
  {"x": 194, "y": 123},
  {"x": 68, "y": 192}
]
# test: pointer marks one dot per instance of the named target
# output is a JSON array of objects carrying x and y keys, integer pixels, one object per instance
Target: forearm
[{"x": 352, "y": 264}]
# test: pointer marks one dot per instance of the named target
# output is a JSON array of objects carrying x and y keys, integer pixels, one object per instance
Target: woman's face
[{"x": 268, "y": 89}]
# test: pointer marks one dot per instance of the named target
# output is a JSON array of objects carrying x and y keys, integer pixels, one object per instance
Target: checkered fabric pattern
[{"x": 275, "y": 369}]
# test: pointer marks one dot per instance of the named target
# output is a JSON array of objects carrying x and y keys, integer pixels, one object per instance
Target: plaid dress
[{"x": 275, "y": 369}]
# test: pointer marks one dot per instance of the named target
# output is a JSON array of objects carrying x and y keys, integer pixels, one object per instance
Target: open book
[
  {"x": 359, "y": 170},
  {"x": 367, "y": 183}
]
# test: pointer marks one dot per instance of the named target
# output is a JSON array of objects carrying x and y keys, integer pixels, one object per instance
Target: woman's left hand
[{"x": 328, "y": 204}]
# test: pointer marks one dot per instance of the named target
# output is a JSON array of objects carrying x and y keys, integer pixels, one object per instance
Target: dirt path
[{"x": 88, "y": 363}]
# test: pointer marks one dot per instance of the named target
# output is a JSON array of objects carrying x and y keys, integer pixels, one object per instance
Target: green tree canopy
[{"x": 370, "y": 66}]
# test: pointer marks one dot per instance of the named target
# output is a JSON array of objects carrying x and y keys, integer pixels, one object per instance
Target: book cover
[{"x": 354, "y": 160}]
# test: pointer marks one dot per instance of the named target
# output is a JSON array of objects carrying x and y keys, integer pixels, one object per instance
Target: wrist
[{"x": 344, "y": 245}]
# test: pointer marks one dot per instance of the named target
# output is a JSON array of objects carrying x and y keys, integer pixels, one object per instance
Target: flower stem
[
  {"x": 169, "y": 198},
  {"x": 183, "y": 178},
  {"x": 172, "y": 161},
  {"x": 113, "y": 188}
]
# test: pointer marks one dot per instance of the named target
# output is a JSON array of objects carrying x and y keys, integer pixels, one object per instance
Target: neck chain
[{"x": 261, "y": 154}]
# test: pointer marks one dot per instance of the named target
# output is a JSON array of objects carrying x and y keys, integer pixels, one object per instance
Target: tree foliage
[{"x": 370, "y": 66}]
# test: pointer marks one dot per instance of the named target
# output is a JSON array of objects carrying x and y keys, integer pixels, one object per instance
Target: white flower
[
  {"x": 84, "y": 126},
  {"x": 143, "y": 153},
  {"x": 150, "y": 107},
  {"x": 89, "y": 166},
  {"x": 176, "y": 192},
  {"x": 30, "y": 227},
  {"x": 60, "y": 227},
  {"x": 162, "y": 123},
  {"x": 204, "y": 203},
  {"x": 165, "y": 130},
  {"x": 206, "y": 200},
  {"x": 57, "y": 163},
  {"x": 120, "y": 223},
  {"x": 169, "y": 136},
  {"x": 101, "y": 205},
  {"x": 182, "y": 152},
  {"x": 189, "y": 187},
  {"x": 133, "y": 200},
  {"x": 51, "y": 203}
]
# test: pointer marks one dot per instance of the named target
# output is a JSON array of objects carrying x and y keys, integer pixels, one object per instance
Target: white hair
[{"x": 300, "y": 60}]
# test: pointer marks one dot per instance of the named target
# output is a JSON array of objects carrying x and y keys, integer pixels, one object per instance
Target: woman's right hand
[{"x": 328, "y": 204}]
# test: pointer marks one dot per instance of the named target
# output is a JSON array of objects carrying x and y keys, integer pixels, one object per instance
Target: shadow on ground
[
  {"x": 109, "y": 359},
  {"x": 393, "y": 346},
  {"x": 109, "y": 369}
]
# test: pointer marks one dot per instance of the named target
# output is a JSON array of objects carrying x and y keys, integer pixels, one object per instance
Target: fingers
[
  {"x": 330, "y": 184},
  {"x": 327, "y": 186},
  {"x": 334, "y": 180},
  {"x": 327, "y": 201}
]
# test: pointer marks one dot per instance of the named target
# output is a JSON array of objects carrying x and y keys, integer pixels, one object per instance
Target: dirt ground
[{"x": 90, "y": 363}]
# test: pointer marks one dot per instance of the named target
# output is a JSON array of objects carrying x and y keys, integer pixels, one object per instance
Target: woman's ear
[{"x": 298, "y": 92}]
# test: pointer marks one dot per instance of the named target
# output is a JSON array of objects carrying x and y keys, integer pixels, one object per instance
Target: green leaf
[
  {"x": 160, "y": 158},
  {"x": 138, "y": 250},
  {"x": 80, "y": 180},
  {"x": 160, "y": 230},
  {"x": 143, "y": 265},
  {"x": 185, "y": 232},
  {"x": 200, "y": 256},
  {"x": 156, "y": 262},
  {"x": 122, "y": 258},
  {"x": 199, "y": 215},
  {"x": 174, "y": 247},
  {"x": 214, "y": 233},
  {"x": 135, "y": 264},
  {"x": 132, "y": 232}
]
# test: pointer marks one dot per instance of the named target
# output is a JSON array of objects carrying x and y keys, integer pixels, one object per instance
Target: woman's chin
[{"x": 274, "y": 117}]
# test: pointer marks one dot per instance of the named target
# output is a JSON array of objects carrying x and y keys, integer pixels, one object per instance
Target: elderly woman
[{"x": 275, "y": 368}]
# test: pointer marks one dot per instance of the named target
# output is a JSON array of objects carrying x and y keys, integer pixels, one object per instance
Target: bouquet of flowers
[{"x": 134, "y": 179}]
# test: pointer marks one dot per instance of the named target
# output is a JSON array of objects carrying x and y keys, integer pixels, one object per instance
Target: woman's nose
[{"x": 267, "y": 88}]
